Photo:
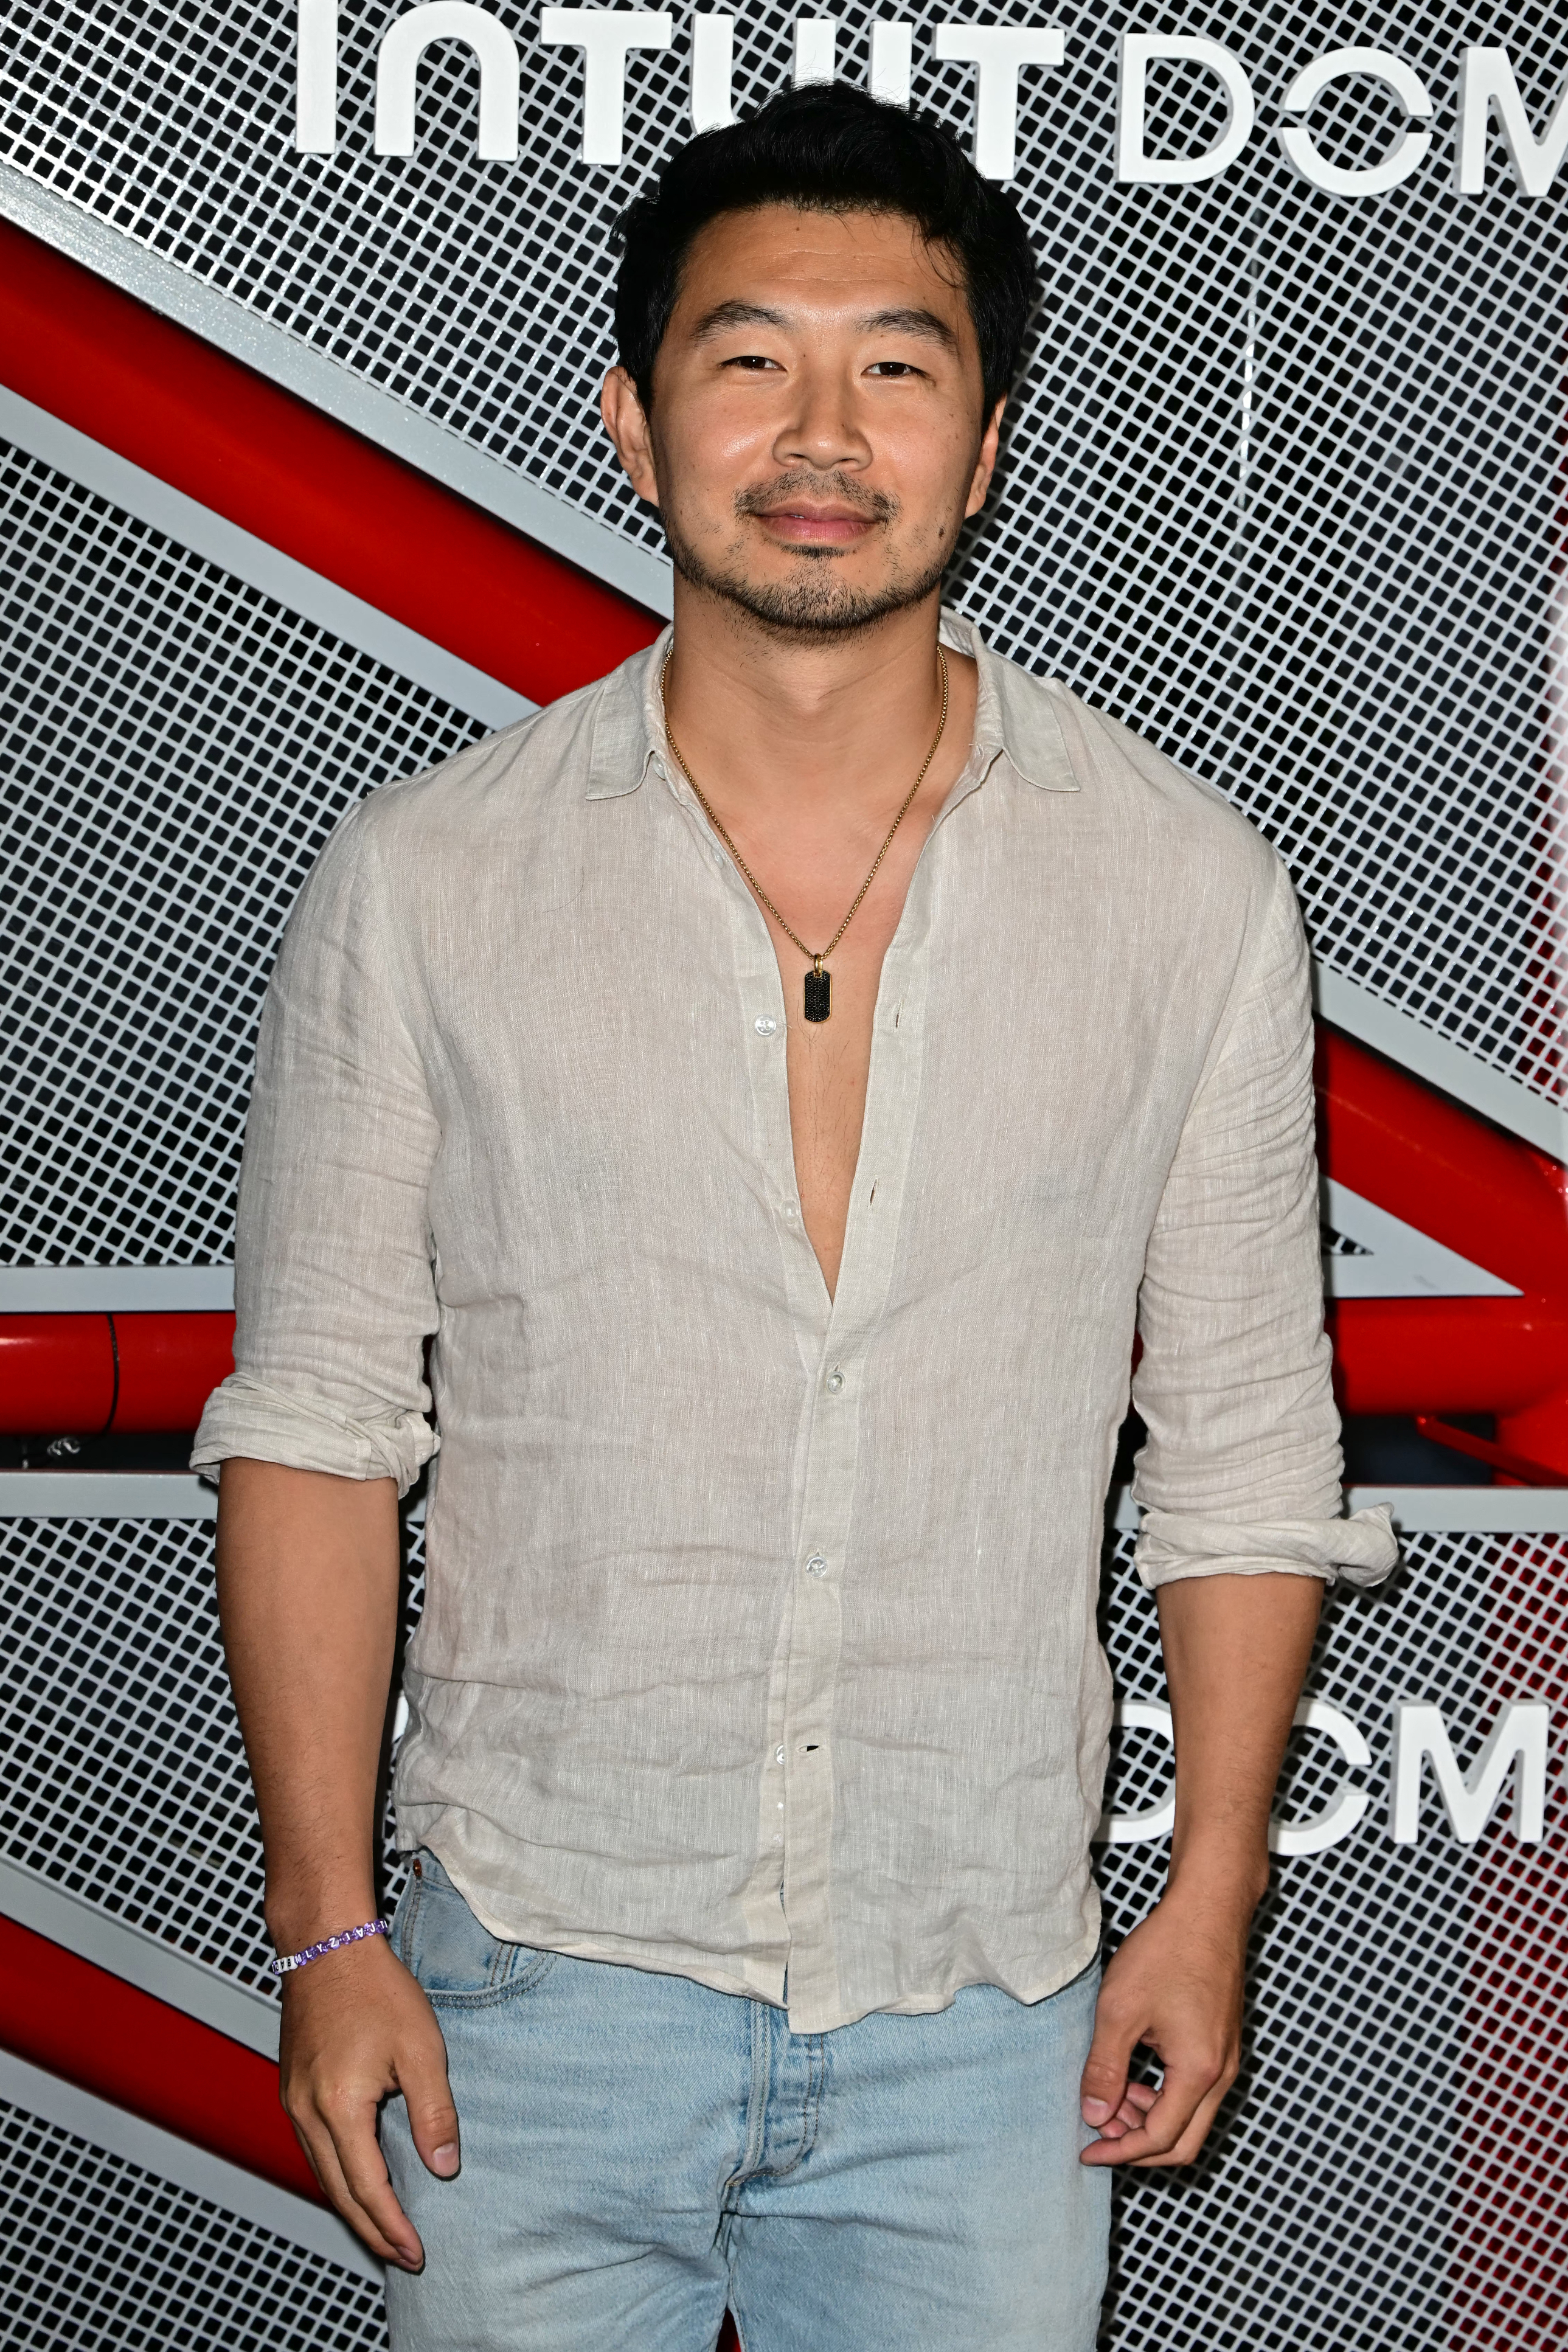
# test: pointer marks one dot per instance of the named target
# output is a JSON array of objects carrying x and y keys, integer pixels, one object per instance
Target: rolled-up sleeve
[
  {"x": 1241, "y": 1471},
  {"x": 334, "y": 1289}
]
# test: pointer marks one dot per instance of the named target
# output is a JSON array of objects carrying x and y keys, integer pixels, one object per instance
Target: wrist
[
  {"x": 297, "y": 1918},
  {"x": 1226, "y": 1880}
]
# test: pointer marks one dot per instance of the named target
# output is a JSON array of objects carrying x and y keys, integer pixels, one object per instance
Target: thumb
[
  {"x": 432, "y": 2117},
  {"x": 1103, "y": 2085}
]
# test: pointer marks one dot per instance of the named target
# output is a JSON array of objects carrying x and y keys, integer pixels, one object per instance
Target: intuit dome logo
[
  {"x": 1485, "y": 92},
  {"x": 1514, "y": 1752}
]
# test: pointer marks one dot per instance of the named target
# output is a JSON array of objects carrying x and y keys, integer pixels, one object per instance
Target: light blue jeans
[{"x": 640, "y": 2153}]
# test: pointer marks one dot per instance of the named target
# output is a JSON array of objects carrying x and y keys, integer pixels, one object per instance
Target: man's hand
[
  {"x": 1235, "y": 1651},
  {"x": 1175, "y": 1985},
  {"x": 356, "y": 2027}
]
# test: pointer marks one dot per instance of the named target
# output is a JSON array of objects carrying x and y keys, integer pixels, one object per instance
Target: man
[{"x": 780, "y": 1076}]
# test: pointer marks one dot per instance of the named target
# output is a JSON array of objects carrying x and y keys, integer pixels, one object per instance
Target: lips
[{"x": 809, "y": 524}]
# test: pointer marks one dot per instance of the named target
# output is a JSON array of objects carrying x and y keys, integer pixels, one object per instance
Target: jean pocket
[{"x": 457, "y": 1960}]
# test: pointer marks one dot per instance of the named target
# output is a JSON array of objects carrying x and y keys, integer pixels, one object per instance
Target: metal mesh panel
[
  {"x": 1279, "y": 488},
  {"x": 1399, "y": 2104},
  {"x": 178, "y": 747},
  {"x": 97, "y": 2255},
  {"x": 1389, "y": 2171},
  {"x": 126, "y": 1781}
]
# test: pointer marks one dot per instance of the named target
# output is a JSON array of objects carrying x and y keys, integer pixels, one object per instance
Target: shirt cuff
[
  {"x": 1363, "y": 1549},
  {"x": 245, "y": 1416}
]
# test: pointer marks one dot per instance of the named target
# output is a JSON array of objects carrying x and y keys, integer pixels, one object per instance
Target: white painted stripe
[
  {"x": 1470, "y": 1510},
  {"x": 160, "y": 2153},
  {"x": 116, "y": 1289},
  {"x": 1404, "y": 1263},
  {"x": 1439, "y": 1510},
  {"x": 105, "y": 1495},
  {"x": 1427, "y": 1056},
  {"x": 240, "y": 552},
  {"x": 594, "y": 546},
  {"x": 139, "y": 1958}
]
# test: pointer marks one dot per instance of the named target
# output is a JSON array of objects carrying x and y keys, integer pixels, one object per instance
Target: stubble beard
[{"x": 815, "y": 603}]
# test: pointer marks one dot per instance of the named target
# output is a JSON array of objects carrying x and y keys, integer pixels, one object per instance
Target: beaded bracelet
[{"x": 286, "y": 1961}]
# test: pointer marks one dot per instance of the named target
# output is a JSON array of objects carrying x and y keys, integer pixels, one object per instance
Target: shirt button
[
  {"x": 778, "y": 1837},
  {"x": 817, "y": 1565},
  {"x": 789, "y": 1212},
  {"x": 778, "y": 1755},
  {"x": 765, "y": 1025},
  {"x": 834, "y": 1381}
]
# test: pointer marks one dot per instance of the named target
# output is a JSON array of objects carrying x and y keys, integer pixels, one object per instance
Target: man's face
[{"x": 817, "y": 436}]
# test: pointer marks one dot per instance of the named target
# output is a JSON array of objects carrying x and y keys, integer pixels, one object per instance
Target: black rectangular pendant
[{"x": 818, "y": 991}]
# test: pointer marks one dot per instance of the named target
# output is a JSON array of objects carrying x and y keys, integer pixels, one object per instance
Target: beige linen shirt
[{"x": 760, "y": 1638}]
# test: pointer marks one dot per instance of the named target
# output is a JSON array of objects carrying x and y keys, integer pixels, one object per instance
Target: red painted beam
[
  {"x": 80, "y": 1375},
  {"x": 79, "y": 2022},
  {"x": 171, "y": 402},
  {"x": 1499, "y": 1202},
  {"x": 1496, "y": 1200}
]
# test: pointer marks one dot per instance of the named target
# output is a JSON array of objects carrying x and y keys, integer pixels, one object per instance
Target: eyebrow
[
  {"x": 736, "y": 314},
  {"x": 924, "y": 324}
]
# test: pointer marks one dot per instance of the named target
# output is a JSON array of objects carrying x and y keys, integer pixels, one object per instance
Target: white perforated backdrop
[
  {"x": 177, "y": 748},
  {"x": 97, "y": 2255},
  {"x": 1400, "y": 2105},
  {"x": 1282, "y": 485},
  {"x": 1332, "y": 598}
]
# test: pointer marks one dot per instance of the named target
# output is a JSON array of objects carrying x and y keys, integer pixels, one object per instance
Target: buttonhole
[
  {"x": 811, "y": 1746},
  {"x": 873, "y": 1196}
]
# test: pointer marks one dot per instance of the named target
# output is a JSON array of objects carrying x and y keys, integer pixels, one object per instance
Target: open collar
[{"x": 1013, "y": 720}]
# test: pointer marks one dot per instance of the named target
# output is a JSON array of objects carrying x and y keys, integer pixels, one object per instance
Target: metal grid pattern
[
  {"x": 178, "y": 747},
  {"x": 1389, "y": 2172},
  {"x": 126, "y": 1781},
  {"x": 1401, "y": 2102},
  {"x": 97, "y": 2255},
  {"x": 1280, "y": 487}
]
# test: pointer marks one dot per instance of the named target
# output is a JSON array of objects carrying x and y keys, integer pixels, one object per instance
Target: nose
[{"x": 822, "y": 429}]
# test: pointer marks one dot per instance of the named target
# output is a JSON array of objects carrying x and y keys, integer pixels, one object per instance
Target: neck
[{"x": 765, "y": 719}]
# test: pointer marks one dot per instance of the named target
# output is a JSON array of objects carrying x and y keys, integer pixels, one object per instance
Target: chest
[
  {"x": 603, "y": 1050},
  {"x": 828, "y": 1061}
]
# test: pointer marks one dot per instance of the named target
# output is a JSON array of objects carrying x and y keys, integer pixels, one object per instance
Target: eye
[
  {"x": 752, "y": 360},
  {"x": 893, "y": 368}
]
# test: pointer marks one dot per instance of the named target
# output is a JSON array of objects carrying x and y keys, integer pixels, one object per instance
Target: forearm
[
  {"x": 1237, "y": 1649},
  {"x": 308, "y": 1578}
]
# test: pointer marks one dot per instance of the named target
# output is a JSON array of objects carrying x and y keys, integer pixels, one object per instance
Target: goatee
[{"x": 815, "y": 603}]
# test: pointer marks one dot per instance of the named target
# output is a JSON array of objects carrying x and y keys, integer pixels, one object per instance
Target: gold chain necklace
[{"x": 818, "y": 1001}]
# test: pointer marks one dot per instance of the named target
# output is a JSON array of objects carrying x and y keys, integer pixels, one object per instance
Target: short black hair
[{"x": 829, "y": 148}]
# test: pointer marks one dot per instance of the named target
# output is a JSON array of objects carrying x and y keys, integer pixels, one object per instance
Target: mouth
[{"x": 814, "y": 522}]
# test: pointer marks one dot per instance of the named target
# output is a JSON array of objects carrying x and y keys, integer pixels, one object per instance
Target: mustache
[{"x": 876, "y": 505}]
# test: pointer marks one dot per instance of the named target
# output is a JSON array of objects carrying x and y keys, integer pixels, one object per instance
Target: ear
[
  {"x": 985, "y": 462},
  {"x": 626, "y": 424}
]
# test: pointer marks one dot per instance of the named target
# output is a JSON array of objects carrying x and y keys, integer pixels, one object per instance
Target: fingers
[
  {"x": 1103, "y": 2085},
  {"x": 1139, "y": 2098},
  {"x": 374, "y": 2215},
  {"x": 1172, "y": 2124},
  {"x": 432, "y": 2117}
]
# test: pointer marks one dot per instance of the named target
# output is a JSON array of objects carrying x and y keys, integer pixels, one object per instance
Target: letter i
[
  {"x": 316, "y": 83},
  {"x": 712, "y": 51}
]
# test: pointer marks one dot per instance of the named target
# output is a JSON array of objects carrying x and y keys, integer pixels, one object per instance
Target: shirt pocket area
[{"x": 457, "y": 1960}]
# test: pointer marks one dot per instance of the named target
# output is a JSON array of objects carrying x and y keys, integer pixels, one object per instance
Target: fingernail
[
  {"x": 445, "y": 2158},
  {"x": 1093, "y": 2109}
]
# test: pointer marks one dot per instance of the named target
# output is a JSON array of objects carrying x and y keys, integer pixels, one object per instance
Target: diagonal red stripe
[
  {"x": 157, "y": 395},
  {"x": 79, "y": 2022}
]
